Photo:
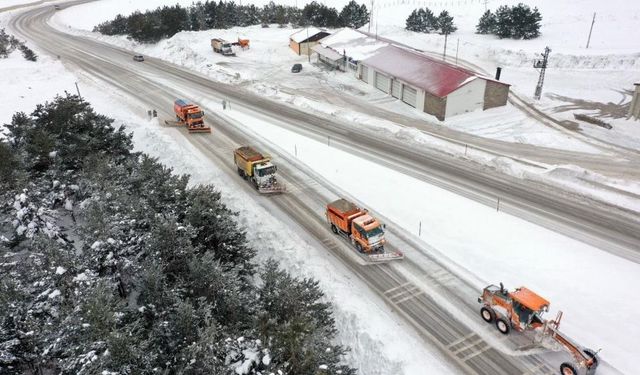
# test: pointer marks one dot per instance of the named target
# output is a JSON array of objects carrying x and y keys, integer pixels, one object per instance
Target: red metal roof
[{"x": 433, "y": 76}]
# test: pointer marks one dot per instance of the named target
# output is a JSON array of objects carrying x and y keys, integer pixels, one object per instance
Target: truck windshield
[
  {"x": 374, "y": 232},
  {"x": 266, "y": 171},
  {"x": 195, "y": 115},
  {"x": 226, "y": 45}
]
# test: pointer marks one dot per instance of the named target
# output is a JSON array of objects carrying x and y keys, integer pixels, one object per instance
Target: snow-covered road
[{"x": 510, "y": 266}]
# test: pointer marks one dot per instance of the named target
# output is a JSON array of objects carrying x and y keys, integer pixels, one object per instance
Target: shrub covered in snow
[
  {"x": 110, "y": 263},
  {"x": 9, "y": 43}
]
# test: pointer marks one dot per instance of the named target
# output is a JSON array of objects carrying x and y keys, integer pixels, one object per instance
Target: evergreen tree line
[
  {"x": 517, "y": 22},
  {"x": 110, "y": 263},
  {"x": 423, "y": 20},
  {"x": 164, "y": 22},
  {"x": 9, "y": 43}
]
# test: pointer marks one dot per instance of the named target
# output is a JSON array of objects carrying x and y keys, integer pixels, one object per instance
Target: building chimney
[{"x": 498, "y": 71}]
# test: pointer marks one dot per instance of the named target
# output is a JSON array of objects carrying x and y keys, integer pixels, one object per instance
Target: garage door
[
  {"x": 396, "y": 89},
  {"x": 365, "y": 73},
  {"x": 409, "y": 95},
  {"x": 382, "y": 82}
]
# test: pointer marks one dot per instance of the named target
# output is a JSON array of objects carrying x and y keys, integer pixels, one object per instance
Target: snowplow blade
[
  {"x": 273, "y": 189},
  {"x": 200, "y": 130},
  {"x": 381, "y": 257}
]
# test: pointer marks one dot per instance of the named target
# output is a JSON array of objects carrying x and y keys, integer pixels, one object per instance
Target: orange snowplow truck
[
  {"x": 522, "y": 310},
  {"x": 191, "y": 116},
  {"x": 364, "y": 231}
]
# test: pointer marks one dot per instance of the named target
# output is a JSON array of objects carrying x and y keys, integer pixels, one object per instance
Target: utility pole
[
  {"x": 542, "y": 65},
  {"x": 78, "y": 90},
  {"x": 591, "y": 29},
  {"x": 370, "y": 16},
  {"x": 457, "y": 48},
  {"x": 444, "y": 53},
  {"x": 485, "y": 5},
  {"x": 308, "y": 50}
]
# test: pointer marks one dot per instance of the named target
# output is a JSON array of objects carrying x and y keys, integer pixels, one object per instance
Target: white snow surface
[
  {"x": 353, "y": 43},
  {"x": 492, "y": 245},
  {"x": 303, "y": 34},
  {"x": 381, "y": 342},
  {"x": 570, "y": 274}
]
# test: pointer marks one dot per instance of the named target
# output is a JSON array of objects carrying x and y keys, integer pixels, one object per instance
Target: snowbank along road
[
  {"x": 403, "y": 285},
  {"x": 608, "y": 227}
]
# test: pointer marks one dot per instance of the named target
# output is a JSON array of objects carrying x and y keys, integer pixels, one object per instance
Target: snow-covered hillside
[
  {"x": 381, "y": 342},
  {"x": 595, "y": 80}
]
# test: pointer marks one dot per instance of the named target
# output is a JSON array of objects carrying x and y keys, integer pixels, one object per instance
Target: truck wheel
[
  {"x": 592, "y": 354},
  {"x": 240, "y": 172},
  {"x": 568, "y": 369},
  {"x": 359, "y": 247},
  {"x": 502, "y": 326},
  {"x": 487, "y": 314},
  {"x": 334, "y": 229}
]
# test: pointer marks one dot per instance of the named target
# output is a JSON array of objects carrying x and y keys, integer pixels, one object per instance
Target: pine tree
[
  {"x": 445, "y": 23},
  {"x": 531, "y": 28},
  {"x": 487, "y": 23},
  {"x": 414, "y": 22},
  {"x": 354, "y": 15},
  {"x": 504, "y": 22},
  {"x": 430, "y": 21}
]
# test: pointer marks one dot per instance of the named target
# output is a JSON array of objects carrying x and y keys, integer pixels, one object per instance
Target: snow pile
[{"x": 354, "y": 44}]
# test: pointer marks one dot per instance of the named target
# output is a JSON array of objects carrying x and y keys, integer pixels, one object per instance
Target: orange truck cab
[
  {"x": 365, "y": 232},
  {"x": 522, "y": 308},
  {"x": 190, "y": 115}
]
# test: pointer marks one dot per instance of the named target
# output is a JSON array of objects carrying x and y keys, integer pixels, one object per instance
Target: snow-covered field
[
  {"x": 265, "y": 69},
  {"x": 381, "y": 342},
  {"x": 595, "y": 80},
  {"x": 588, "y": 284}
]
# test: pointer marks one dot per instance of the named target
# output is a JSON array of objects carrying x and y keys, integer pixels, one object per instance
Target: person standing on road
[{"x": 224, "y": 104}]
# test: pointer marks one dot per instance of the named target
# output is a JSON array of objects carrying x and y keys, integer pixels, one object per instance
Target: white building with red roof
[{"x": 430, "y": 85}]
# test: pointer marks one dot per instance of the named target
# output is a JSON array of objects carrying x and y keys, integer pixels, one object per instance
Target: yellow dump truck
[{"x": 257, "y": 169}]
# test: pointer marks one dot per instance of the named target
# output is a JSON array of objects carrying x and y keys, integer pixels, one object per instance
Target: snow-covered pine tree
[
  {"x": 531, "y": 28},
  {"x": 414, "y": 21},
  {"x": 504, "y": 22},
  {"x": 354, "y": 15},
  {"x": 487, "y": 23},
  {"x": 445, "y": 23},
  {"x": 157, "y": 277}
]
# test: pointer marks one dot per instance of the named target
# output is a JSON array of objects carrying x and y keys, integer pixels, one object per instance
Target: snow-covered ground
[
  {"x": 596, "y": 80},
  {"x": 265, "y": 69},
  {"x": 492, "y": 245},
  {"x": 381, "y": 342}
]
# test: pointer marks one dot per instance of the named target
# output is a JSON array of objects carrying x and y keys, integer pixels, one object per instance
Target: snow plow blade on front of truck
[
  {"x": 277, "y": 188},
  {"x": 381, "y": 257}
]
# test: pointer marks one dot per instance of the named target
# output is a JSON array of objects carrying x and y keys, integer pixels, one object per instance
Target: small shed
[
  {"x": 634, "y": 109},
  {"x": 303, "y": 40}
]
